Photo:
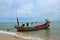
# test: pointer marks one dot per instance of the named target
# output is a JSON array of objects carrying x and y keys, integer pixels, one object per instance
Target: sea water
[{"x": 47, "y": 34}]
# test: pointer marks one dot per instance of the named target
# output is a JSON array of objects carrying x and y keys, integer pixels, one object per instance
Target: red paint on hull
[{"x": 39, "y": 26}]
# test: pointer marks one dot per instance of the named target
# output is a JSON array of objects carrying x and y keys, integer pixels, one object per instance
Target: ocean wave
[{"x": 20, "y": 36}]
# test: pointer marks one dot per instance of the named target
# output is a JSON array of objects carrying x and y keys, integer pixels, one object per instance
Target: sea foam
[{"x": 20, "y": 36}]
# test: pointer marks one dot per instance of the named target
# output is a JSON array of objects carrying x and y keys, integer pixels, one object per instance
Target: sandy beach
[{"x": 5, "y": 37}]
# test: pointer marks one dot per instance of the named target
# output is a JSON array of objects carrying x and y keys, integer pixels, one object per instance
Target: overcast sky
[{"x": 29, "y": 10}]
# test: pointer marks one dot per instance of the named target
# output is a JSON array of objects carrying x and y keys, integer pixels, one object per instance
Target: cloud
[
  {"x": 46, "y": 9},
  {"x": 9, "y": 2},
  {"x": 25, "y": 9},
  {"x": 28, "y": 9}
]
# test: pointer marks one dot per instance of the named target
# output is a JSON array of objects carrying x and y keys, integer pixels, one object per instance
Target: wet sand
[{"x": 6, "y": 37}]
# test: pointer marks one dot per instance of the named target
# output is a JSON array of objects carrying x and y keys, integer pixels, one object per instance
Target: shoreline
[
  {"x": 11, "y": 35},
  {"x": 4, "y": 35}
]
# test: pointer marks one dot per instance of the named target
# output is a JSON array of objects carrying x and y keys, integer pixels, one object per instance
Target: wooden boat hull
[{"x": 38, "y": 27}]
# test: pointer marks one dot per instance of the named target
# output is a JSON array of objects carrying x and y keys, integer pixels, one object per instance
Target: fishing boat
[{"x": 37, "y": 27}]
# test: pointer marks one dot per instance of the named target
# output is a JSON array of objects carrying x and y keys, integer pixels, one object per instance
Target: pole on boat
[
  {"x": 17, "y": 23},
  {"x": 17, "y": 19}
]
